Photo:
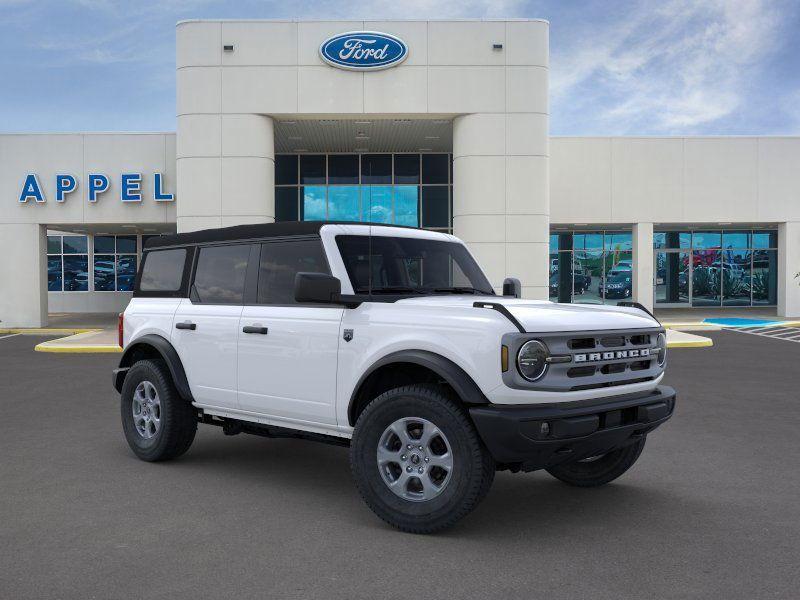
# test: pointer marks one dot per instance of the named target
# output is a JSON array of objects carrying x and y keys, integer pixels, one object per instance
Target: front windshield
[{"x": 400, "y": 265}]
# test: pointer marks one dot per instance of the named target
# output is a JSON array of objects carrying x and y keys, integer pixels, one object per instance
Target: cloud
[{"x": 672, "y": 68}]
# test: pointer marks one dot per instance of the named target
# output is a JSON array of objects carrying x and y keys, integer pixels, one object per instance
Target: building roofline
[{"x": 376, "y": 20}]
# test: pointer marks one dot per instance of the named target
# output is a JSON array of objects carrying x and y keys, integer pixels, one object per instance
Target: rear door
[
  {"x": 206, "y": 325},
  {"x": 288, "y": 351}
]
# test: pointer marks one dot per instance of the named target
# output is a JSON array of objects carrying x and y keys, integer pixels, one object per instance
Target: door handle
[
  {"x": 255, "y": 329},
  {"x": 186, "y": 325}
]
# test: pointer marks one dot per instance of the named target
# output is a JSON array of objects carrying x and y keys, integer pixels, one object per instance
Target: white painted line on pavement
[{"x": 2, "y": 337}]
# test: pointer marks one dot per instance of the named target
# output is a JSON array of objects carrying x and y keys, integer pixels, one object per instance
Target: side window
[
  {"x": 220, "y": 273},
  {"x": 280, "y": 262},
  {"x": 163, "y": 270}
]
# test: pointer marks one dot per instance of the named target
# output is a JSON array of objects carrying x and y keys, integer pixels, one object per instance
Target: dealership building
[{"x": 434, "y": 124}]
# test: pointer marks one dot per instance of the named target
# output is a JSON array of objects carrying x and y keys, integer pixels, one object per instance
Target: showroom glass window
[
  {"x": 401, "y": 189},
  {"x": 114, "y": 263},
  {"x": 67, "y": 263},
  {"x": 716, "y": 267},
  {"x": 591, "y": 267}
]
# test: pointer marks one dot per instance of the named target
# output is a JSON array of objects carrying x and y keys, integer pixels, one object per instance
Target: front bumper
[{"x": 539, "y": 436}]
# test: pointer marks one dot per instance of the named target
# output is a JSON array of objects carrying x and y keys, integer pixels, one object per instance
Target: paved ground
[{"x": 712, "y": 510}]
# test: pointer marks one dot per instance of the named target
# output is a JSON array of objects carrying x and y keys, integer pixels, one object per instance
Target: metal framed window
[
  {"x": 68, "y": 263},
  {"x": 114, "y": 262},
  {"x": 413, "y": 189}
]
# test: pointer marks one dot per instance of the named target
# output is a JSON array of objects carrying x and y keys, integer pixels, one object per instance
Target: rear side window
[
  {"x": 220, "y": 274},
  {"x": 280, "y": 262},
  {"x": 163, "y": 270}
]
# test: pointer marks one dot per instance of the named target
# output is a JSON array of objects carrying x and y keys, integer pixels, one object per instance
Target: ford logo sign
[{"x": 363, "y": 51}]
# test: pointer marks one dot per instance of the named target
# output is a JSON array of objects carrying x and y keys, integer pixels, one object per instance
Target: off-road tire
[
  {"x": 473, "y": 466},
  {"x": 600, "y": 471},
  {"x": 178, "y": 417}
]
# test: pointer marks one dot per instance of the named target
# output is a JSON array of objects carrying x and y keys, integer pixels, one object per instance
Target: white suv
[{"x": 392, "y": 341}]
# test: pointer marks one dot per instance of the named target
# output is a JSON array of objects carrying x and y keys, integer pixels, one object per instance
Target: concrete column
[
  {"x": 788, "y": 266},
  {"x": 501, "y": 201},
  {"x": 642, "y": 279},
  {"x": 226, "y": 170},
  {"x": 23, "y": 271}
]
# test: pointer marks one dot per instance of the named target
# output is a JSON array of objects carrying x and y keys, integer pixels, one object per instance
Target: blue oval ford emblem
[{"x": 363, "y": 50}]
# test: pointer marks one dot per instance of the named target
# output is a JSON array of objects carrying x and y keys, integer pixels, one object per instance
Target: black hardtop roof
[{"x": 250, "y": 232}]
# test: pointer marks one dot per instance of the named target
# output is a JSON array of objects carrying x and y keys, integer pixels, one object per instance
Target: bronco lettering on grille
[{"x": 616, "y": 355}]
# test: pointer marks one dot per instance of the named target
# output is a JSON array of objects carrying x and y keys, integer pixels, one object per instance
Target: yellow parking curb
[
  {"x": 105, "y": 349},
  {"x": 45, "y": 331},
  {"x": 704, "y": 343}
]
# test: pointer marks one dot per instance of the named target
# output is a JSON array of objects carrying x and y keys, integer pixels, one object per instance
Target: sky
[{"x": 617, "y": 67}]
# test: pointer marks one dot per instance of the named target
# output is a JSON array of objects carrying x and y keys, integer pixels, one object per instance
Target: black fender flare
[
  {"x": 455, "y": 376},
  {"x": 166, "y": 351}
]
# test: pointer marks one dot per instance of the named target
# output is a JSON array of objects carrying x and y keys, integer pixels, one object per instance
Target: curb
[
  {"x": 45, "y": 331},
  {"x": 104, "y": 349},
  {"x": 704, "y": 343}
]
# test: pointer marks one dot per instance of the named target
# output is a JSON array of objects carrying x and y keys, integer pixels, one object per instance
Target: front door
[{"x": 288, "y": 352}]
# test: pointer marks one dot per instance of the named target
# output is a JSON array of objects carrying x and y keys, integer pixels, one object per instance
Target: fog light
[{"x": 545, "y": 428}]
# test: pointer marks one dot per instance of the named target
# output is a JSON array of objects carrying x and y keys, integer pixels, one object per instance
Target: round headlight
[
  {"x": 531, "y": 360},
  {"x": 661, "y": 346}
]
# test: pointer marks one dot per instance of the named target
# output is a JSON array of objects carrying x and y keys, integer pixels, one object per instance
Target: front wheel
[
  {"x": 158, "y": 423},
  {"x": 598, "y": 470},
  {"x": 418, "y": 461}
]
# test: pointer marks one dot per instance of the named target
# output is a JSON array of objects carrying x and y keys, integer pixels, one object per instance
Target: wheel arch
[
  {"x": 409, "y": 366},
  {"x": 154, "y": 346}
]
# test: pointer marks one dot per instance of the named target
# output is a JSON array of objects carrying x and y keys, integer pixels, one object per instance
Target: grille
[{"x": 597, "y": 359}]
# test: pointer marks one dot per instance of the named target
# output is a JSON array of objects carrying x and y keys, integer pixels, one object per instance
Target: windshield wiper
[
  {"x": 392, "y": 289},
  {"x": 463, "y": 290}
]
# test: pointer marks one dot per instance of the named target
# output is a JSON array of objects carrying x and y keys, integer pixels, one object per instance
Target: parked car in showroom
[
  {"x": 391, "y": 341},
  {"x": 617, "y": 285}
]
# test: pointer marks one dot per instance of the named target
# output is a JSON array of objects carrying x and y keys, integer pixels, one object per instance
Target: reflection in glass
[
  {"x": 735, "y": 277},
  {"x": 376, "y": 168},
  {"x": 103, "y": 272},
  {"x": 765, "y": 239},
  {"x": 343, "y": 203},
  {"x": 706, "y": 278},
  {"x": 376, "y": 206},
  {"x": 406, "y": 168},
  {"x": 343, "y": 168},
  {"x": 104, "y": 244},
  {"x": 618, "y": 281},
  {"x": 314, "y": 203},
  {"x": 672, "y": 239},
  {"x": 75, "y": 244},
  {"x": 672, "y": 277},
  {"x": 588, "y": 241},
  {"x": 126, "y": 273},
  {"x": 54, "y": 279},
  {"x": 707, "y": 239},
  {"x": 553, "y": 295},
  {"x": 406, "y": 205},
  {"x": 76, "y": 273},
  {"x": 54, "y": 244},
  {"x": 587, "y": 274},
  {"x": 286, "y": 204},
  {"x": 312, "y": 168},
  {"x": 434, "y": 206},
  {"x": 765, "y": 277},
  {"x": 434, "y": 168},
  {"x": 618, "y": 241},
  {"x": 126, "y": 244},
  {"x": 736, "y": 239},
  {"x": 285, "y": 169}
]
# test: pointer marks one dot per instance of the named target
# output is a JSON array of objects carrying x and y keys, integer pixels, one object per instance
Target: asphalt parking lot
[{"x": 711, "y": 510}]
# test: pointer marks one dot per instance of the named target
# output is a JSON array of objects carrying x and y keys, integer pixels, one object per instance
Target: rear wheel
[
  {"x": 598, "y": 470},
  {"x": 158, "y": 423},
  {"x": 418, "y": 461}
]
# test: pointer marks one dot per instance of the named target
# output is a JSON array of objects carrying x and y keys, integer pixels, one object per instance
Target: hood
[{"x": 543, "y": 316}]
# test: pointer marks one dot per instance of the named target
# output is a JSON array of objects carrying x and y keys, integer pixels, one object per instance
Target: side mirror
[
  {"x": 319, "y": 288},
  {"x": 512, "y": 287}
]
